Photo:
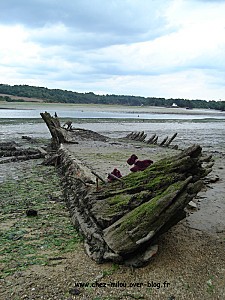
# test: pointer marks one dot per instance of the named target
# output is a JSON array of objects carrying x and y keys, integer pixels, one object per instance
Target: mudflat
[{"x": 190, "y": 263}]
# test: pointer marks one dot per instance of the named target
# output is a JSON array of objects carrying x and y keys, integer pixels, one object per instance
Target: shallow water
[
  {"x": 109, "y": 113},
  {"x": 205, "y": 127}
]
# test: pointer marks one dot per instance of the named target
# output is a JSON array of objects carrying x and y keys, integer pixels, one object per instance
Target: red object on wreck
[{"x": 139, "y": 165}]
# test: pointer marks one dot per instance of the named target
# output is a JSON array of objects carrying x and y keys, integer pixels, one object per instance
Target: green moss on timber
[
  {"x": 159, "y": 181},
  {"x": 119, "y": 201},
  {"x": 124, "y": 199},
  {"x": 153, "y": 175},
  {"x": 155, "y": 179},
  {"x": 157, "y": 170},
  {"x": 152, "y": 183},
  {"x": 146, "y": 210},
  {"x": 147, "y": 186},
  {"x": 140, "y": 213}
]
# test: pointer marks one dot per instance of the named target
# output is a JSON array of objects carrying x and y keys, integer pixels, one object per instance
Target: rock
[
  {"x": 31, "y": 213},
  {"x": 29, "y": 138},
  {"x": 212, "y": 179},
  {"x": 143, "y": 259},
  {"x": 192, "y": 204},
  {"x": 74, "y": 291}
]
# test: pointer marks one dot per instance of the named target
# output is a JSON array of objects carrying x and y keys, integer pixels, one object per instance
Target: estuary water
[{"x": 206, "y": 127}]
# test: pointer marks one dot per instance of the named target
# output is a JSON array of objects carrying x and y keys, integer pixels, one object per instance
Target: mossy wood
[
  {"x": 121, "y": 221},
  {"x": 12, "y": 152}
]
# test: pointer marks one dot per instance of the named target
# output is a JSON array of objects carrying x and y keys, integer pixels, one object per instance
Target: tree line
[{"x": 64, "y": 96}]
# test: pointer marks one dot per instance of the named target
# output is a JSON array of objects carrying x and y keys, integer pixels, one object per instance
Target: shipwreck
[{"x": 121, "y": 220}]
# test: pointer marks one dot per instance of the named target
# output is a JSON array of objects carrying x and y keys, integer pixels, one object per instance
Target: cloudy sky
[{"x": 161, "y": 48}]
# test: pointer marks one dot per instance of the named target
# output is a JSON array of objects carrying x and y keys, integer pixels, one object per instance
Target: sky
[{"x": 150, "y": 48}]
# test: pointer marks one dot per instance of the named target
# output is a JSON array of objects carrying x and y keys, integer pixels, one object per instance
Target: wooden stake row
[{"x": 140, "y": 136}]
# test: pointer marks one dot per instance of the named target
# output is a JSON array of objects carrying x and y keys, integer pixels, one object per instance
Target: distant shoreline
[{"x": 109, "y": 108}]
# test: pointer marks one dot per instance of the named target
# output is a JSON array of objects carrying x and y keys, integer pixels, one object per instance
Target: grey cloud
[
  {"x": 113, "y": 67},
  {"x": 95, "y": 23},
  {"x": 89, "y": 15},
  {"x": 81, "y": 40},
  {"x": 35, "y": 73}
]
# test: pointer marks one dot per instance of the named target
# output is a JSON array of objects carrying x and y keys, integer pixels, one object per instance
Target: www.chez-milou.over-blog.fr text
[{"x": 123, "y": 284}]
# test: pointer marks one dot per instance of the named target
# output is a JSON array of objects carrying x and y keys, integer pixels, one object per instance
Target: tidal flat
[
  {"x": 43, "y": 257},
  {"x": 32, "y": 240},
  {"x": 206, "y": 127}
]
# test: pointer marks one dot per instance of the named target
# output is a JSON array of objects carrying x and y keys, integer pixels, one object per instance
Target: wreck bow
[{"x": 121, "y": 221}]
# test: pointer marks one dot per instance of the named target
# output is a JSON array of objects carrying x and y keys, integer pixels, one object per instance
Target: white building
[{"x": 174, "y": 105}]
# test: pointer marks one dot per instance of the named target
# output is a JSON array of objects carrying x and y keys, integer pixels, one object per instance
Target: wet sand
[{"x": 190, "y": 263}]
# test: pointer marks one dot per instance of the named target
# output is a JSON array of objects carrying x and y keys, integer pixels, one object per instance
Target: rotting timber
[
  {"x": 13, "y": 152},
  {"x": 121, "y": 221}
]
